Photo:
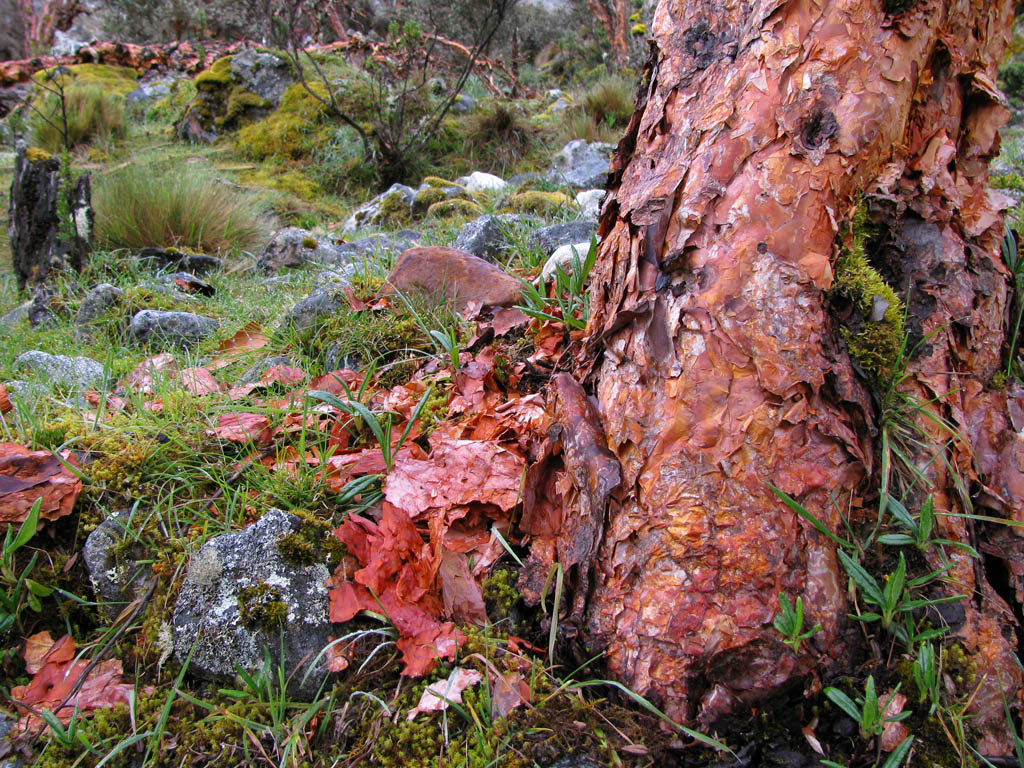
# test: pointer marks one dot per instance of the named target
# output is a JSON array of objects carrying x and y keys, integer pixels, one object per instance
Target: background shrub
[{"x": 141, "y": 206}]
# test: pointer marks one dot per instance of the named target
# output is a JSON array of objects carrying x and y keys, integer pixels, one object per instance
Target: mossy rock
[
  {"x": 239, "y": 102},
  {"x": 37, "y": 155},
  {"x": 183, "y": 92},
  {"x": 425, "y": 198},
  {"x": 455, "y": 208},
  {"x": 438, "y": 183},
  {"x": 291, "y": 131},
  {"x": 535, "y": 201},
  {"x": 217, "y": 77},
  {"x": 394, "y": 209}
]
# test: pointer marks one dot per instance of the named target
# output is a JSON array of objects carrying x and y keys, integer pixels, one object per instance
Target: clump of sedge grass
[{"x": 140, "y": 206}]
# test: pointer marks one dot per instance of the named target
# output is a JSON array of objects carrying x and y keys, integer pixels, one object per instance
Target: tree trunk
[
  {"x": 613, "y": 15},
  {"x": 718, "y": 350}
]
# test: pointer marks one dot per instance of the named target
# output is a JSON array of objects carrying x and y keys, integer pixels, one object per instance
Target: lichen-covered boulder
[
  {"x": 484, "y": 237},
  {"x": 292, "y": 247},
  {"x": 242, "y": 598},
  {"x": 222, "y": 102},
  {"x": 391, "y": 206},
  {"x": 548, "y": 239},
  {"x": 175, "y": 329},
  {"x": 75, "y": 373},
  {"x": 262, "y": 73}
]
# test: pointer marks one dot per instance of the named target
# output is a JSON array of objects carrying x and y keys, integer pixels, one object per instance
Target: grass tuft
[
  {"x": 139, "y": 206},
  {"x": 92, "y": 113}
]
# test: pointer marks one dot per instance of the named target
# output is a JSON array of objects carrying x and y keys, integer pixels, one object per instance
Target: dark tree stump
[{"x": 39, "y": 245}]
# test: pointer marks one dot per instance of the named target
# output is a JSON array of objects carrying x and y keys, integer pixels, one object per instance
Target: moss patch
[
  {"x": 37, "y": 155},
  {"x": 876, "y": 344},
  {"x": 260, "y": 605},
  {"x": 450, "y": 209},
  {"x": 291, "y": 131},
  {"x": 535, "y": 201}
]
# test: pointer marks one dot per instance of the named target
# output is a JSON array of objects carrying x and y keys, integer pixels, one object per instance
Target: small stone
[
  {"x": 548, "y": 239},
  {"x": 119, "y": 573},
  {"x": 179, "y": 329},
  {"x": 562, "y": 259},
  {"x": 483, "y": 237},
  {"x": 590, "y": 202},
  {"x": 292, "y": 247},
  {"x": 581, "y": 165},
  {"x": 76, "y": 373},
  {"x": 171, "y": 258},
  {"x": 483, "y": 182},
  {"x": 878, "y": 307},
  {"x": 208, "y": 620},
  {"x": 15, "y": 317},
  {"x": 449, "y": 273},
  {"x": 188, "y": 284},
  {"x": 463, "y": 104},
  {"x": 327, "y": 300},
  {"x": 97, "y": 301}
]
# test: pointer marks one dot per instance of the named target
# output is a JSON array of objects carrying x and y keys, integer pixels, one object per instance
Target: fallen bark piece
[{"x": 29, "y": 475}]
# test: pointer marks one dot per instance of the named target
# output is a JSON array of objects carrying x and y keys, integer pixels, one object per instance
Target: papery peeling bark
[{"x": 712, "y": 354}]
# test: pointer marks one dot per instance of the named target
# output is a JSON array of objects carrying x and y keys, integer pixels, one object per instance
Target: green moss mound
[
  {"x": 291, "y": 131},
  {"x": 114, "y": 80},
  {"x": 451, "y": 209},
  {"x": 876, "y": 345},
  {"x": 535, "y": 201}
]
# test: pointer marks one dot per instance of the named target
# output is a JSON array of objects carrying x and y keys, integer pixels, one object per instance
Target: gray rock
[
  {"x": 548, "y": 239},
  {"x": 590, "y": 202},
  {"x": 327, "y": 300},
  {"x": 379, "y": 245},
  {"x": 171, "y": 258},
  {"x": 7, "y": 760},
  {"x": 560, "y": 106},
  {"x": 335, "y": 358},
  {"x": 97, "y": 301},
  {"x": 76, "y": 373},
  {"x": 151, "y": 91},
  {"x": 262, "y": 73},
  {"x": 463, "y": 104},
  {"x": 554, "y": 94},
  {"x": 381, "y": 208},
  {"x": 118, "y": 565},
  {"x": 522, "y": 179},
  {"x": 13, "y": 96},
  {"x": 15, "y": 316},
  {"x": 179, "y": 329},
  {"x": 563, "y": 258},
  {"x": 478, "y": 181},
  {"x": 581, "y": 165},
  {"x": 292, "y": 247},
  {"x": 208, "y": 621},
  {"x": 484, "y": 237}
]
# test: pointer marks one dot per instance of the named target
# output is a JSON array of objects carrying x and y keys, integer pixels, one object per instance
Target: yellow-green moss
[
  {"x": 449, "y": 209},
  {"x": 1012, "y": 180},
  {"x": 117, "y": 80},
  {"x": 37, "y": 155},
  {"x": 310, "y": 243},
  {"x": 437, "y": 181},
  {"x": 535, "y": 201},
  {"x": 293, "y": 182},
  {"x": 394, "y": 209},
  {"x": 639, "y": 29},
  {"x": 217, "y": 77},
  {"x": 171, "y": 106},
  {"x": 875, "y": 346},
  {"x": 426, "y": 198},
  {"x": 292, "y": 130},
  {"x": 239, "y": 101},
  {"x": 260, "y": 605}
]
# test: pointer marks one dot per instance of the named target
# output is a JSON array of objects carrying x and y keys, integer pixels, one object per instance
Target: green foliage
[
  {"x": 502, "y": 133},
  {"x": 609, "y": 101},
  {"x": 142, "y": 206},
  {"x": 789, "y": 622},
  {"x": 569, "y": 301},
  {"x": 19, "y": 589},
  {"x": 92, "y": 114},
  {"x": 867, "y": 711}
]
